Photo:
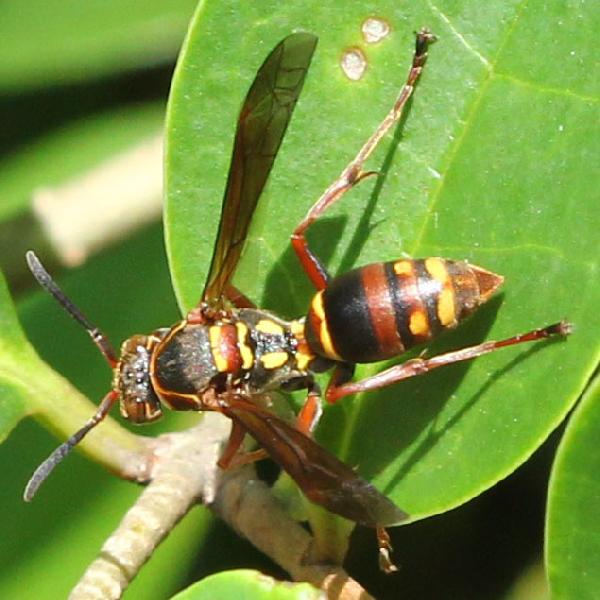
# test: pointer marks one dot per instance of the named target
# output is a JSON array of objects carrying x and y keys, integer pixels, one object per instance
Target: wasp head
[{"x": 138, "y": 400}]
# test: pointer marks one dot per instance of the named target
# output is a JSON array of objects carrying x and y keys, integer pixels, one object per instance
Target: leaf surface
[
  {"x": 244, "y": 583},
  {"x": 55, "y": 42},
  {"x": 490, "y": 166}
]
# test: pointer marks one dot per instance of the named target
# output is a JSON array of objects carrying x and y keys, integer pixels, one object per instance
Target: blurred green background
[{"x": 82, "y": 82}]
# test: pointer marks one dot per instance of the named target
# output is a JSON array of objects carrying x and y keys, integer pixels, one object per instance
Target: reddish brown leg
[
  {"x": 385, "y": 549},
  {"x": 311, "y": 411},
  {"x": 354, "y": 173},
  {"x": 236, "y": 297},
  {"x": 203, "y": 314},
  {"x": 342, "y": 373},
  {"x": 232, "y": 457},
  {"x": 418, "y": 366}
]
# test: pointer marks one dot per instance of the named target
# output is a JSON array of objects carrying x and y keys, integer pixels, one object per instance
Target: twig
[
  {"x": 184, "y": 473},
  {"x": 248, "y": 506}
]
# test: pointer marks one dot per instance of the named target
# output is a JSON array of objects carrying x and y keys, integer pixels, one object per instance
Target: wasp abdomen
[{"x": 381, "y": 310}]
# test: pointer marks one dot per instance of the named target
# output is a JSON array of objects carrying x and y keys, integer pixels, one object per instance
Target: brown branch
[{"x": 185, "y": 472}]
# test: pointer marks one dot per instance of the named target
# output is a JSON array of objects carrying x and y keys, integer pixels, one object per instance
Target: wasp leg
[
  {"x": 354, "y": 173},
  {"x": 418, "y": 366},
  {"x": 204, "y": 314},
  {"x": 342, "y": 373},
  {"x": 385, "y": 549},
  {"x": 236, "y": 297},
  {"x": 311, "y": 411},
  {"x": 232, "y": 456}
]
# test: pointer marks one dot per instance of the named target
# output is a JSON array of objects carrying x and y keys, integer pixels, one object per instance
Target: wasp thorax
[{"x": 138, "y": 401}]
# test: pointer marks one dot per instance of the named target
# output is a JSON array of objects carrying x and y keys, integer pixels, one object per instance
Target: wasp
[{"x": 227, "y": 352}]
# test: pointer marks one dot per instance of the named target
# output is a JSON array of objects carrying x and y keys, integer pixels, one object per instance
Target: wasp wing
[
  {"x": 323, "y": 478},
  {"x": 262, "y": 123}
]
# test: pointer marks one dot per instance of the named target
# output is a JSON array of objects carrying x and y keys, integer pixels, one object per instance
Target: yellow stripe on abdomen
[
  {"x": 446, "y": 301},
  {"x": 324, "y": 335}
]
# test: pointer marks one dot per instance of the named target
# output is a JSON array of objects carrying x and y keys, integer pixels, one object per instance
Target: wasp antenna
[
  {"x": 45, "y": 280},
  {"x": 42, "y": 472}
]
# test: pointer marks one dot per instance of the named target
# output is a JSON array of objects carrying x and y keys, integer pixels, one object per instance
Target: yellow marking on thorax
[
  {"x": 403, "y": 267},
  {"x": 418, "y": 323},
  {"x": 303, "y": 359},
  {"x": 268, "y": 326},
  {"x": 324, "y": 335},
  {"x": 297, "y": 329},
  {"x": 303, "y": 355},
  {"x": 214, "y": 337},
  {"x": 273, "y": 360},
  {"x": 245, "y": 350},
  {"x": 446, "y": 308}
]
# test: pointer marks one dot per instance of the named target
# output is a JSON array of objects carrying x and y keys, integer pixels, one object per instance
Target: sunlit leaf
[{"x": 489, "y": 167}]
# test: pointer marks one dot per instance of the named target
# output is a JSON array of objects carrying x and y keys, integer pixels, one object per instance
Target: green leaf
[
  {"x": 12, "y": 338},
  {"x": 52, "y": 41},
  {"x": 572, "y": 530},
  {"x": 13, "y": 403},
  {"x": 245, "y": 583},
  {"x": 15, "y": 352},
  {"x": 488, "y": 168}
]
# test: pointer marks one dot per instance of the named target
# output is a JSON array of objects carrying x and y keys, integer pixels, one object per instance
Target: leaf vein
[
  {"x": 460, "y": 37},
  {"x": 466, "y": 125},
  {"x": 546, "y": 89}
]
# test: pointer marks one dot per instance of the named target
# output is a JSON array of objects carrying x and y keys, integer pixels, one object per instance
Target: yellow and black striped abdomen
[{"x": 383, "y": 309}]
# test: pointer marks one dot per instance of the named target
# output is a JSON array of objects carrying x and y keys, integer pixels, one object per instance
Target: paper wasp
[{"x": 226, "y": 351}]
